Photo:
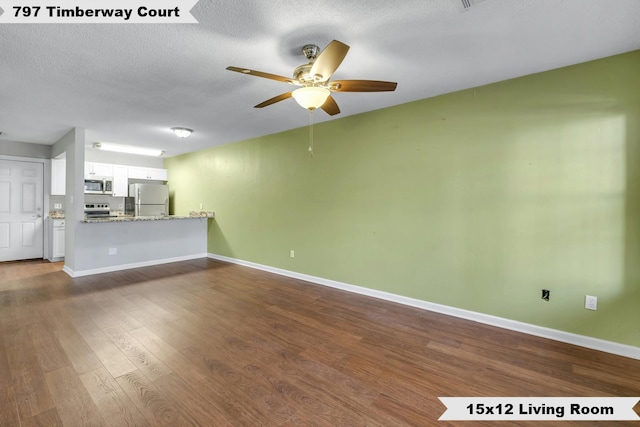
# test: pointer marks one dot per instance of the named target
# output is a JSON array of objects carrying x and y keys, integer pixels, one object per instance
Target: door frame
[{"x": 46, "y": 192}]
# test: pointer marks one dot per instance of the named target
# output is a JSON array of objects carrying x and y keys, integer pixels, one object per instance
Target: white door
[{"x": 21, "y": 201}]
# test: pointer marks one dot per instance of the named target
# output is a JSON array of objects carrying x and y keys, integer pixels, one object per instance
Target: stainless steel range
[{"x": 97, "y": 210}]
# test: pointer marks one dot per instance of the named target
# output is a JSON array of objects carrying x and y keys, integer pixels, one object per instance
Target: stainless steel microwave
[{"x": 98, "y": 186}]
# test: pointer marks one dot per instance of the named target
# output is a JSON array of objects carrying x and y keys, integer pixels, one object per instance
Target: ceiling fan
[{"x": 313, "y": 79}]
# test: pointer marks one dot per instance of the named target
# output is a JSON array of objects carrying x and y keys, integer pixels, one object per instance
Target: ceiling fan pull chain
[{"x": 311, "y": 132}]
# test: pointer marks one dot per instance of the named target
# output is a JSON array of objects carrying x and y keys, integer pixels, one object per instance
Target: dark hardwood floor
[{"x": 212, "y": 344}]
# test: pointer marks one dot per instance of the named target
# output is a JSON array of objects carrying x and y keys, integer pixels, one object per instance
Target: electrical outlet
[
  {"x": 591, "y": 302},
  {"x": 113, "y": 251},
  {"x": 546, "y": 294}
]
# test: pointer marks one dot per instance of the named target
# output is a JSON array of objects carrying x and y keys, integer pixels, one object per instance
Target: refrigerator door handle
[{"x": 166, "y": 206}]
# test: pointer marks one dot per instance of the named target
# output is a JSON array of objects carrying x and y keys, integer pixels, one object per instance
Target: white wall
[
  {"x": 25, "y": 149},
  {"x": 93, "y": 155},
  {"x": 72, "y": 145}
]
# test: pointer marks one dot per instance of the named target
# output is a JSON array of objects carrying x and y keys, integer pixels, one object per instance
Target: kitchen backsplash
[{"x": 57, "y": 205}]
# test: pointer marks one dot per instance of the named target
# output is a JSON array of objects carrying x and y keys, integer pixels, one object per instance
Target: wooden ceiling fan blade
[
  {"x": 330, "y": 106},
  {"x": 329, "y": 60},
  {"x": 273, "y": 100},
  {"x": 262, "y": 74},
  {"x": 361, "y": 86}
]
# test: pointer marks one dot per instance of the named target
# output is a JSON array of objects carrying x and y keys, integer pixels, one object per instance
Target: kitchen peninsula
[{"x": 119, "y": 243}]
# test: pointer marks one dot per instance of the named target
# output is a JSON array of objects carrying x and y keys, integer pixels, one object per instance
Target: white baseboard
[
  {"x": 540, "y": 331},
  {"x": 120, "y": 267}
]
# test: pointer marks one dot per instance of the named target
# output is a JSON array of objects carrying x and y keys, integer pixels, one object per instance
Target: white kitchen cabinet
[
  {"x": 120, "y": 181},
  {"x": 57, "y": 239},
  {"x": 58, "y": 177},
  {"x": 97, "y": 170},
  {"x": 139, "y": 172},
  {"x": 158, "y": 174}
]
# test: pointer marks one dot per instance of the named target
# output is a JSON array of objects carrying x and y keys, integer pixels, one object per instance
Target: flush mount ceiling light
[
  {"x": 310, "y": 97},
  {"x": 182, "y": 132},
  {"x": 128, "y": 149}
]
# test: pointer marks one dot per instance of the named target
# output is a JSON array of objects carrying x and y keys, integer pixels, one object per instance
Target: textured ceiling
[{"x": 129, "y": 84}]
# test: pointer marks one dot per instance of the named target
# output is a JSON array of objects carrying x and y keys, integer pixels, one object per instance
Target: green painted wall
[{"x": 476, "y": 199}]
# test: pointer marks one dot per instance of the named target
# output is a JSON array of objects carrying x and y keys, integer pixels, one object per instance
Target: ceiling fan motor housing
[
  {"x": 310, "y": 52},
  {"x": 303, "y": 74}
]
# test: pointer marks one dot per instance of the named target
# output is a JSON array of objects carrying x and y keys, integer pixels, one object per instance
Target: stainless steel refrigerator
[{"x": 150, "y": 199}]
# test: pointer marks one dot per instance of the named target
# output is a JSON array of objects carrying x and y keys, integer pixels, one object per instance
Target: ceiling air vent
[{"x": 467, "y": 4}]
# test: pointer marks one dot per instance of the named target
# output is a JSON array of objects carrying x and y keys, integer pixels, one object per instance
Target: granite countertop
[{"x": 124, "y": 218}]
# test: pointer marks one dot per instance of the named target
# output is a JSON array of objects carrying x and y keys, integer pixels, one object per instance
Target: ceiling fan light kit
[
  {"x": 311, "y": 97},
  {"x": 313, "y": 77}
]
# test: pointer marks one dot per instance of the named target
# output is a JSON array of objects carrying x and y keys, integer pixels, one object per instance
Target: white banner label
[
  {"x": 97, "y": 12},
  {"x": 540, "y": 408}
]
